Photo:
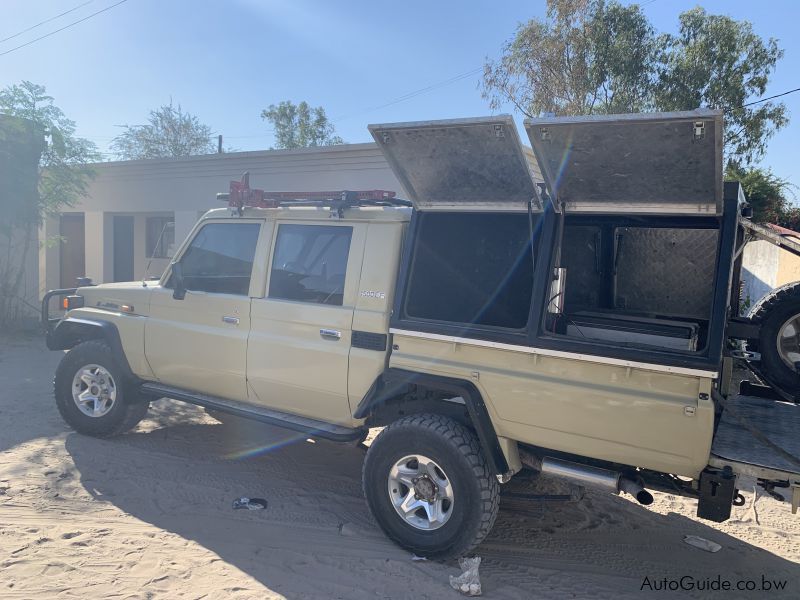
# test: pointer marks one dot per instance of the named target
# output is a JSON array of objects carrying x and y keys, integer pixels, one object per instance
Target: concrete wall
[
  {"x": 788, "y": 268},
  {"x": 765, "y": 267},
  {"x": 22, "y": 307},
  {"x": 759, "y": 270}
]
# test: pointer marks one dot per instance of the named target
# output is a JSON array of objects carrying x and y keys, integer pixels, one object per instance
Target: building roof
[{"x": 783, "y": 230}]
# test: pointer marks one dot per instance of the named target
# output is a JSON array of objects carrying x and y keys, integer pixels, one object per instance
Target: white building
[{"x": 112, "y": 234}]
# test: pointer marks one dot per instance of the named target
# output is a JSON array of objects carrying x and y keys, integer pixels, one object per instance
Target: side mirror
[{"x": 179, "y": 286}]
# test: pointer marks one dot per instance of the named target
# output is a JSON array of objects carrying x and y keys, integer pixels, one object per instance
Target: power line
[
  {"x": 770, "y": 97},
  {"x": 413, "y": 94},
  {"x": 267, "y": 133},
  {"x": 66, "y": 12},
  {"x": 397, "y": 100},
  {"x": 62, "y": 28}
]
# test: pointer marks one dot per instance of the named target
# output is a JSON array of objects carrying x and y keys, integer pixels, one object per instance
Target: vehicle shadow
[{"x": 181, "y": 470}]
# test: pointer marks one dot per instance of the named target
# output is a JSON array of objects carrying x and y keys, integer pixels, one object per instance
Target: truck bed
[{"x": 734, "y": 445}]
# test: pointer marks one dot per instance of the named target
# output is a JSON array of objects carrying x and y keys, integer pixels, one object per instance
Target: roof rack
[{"x": 241, "y": 196}]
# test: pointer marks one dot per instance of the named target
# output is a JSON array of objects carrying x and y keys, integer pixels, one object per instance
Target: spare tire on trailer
[{"x": 778, "y": 314}]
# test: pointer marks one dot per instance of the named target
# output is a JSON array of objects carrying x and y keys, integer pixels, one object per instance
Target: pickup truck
[{"x": 573, "y": 312}]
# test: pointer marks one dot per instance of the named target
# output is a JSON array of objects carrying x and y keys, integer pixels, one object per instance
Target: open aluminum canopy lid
[
  {"x": 657, "y": 163},
  {"x": 459, "y": 164}
]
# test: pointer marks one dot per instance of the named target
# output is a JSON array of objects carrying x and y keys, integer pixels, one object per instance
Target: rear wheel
[
  {"x": 778, "y": 313},
  {"x": 428, "y": 486},
  {"x": 92, "y": 394}
]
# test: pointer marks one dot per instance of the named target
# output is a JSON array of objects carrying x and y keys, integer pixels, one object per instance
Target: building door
[
  {"x": 123, "y": 248},
  {"x": 72, "y": 250}
]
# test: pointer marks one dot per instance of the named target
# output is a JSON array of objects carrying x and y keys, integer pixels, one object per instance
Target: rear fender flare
[{"x": 393, "y": 383}]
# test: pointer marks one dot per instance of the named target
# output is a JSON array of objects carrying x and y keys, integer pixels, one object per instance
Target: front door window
[{"x": 220, "y": 258}]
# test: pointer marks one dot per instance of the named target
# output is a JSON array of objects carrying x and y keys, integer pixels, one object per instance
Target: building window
[
  {"x": 310, "y": 263},
  {"x": 160, "y": 237},
  {"x": 220, "y": 258}
]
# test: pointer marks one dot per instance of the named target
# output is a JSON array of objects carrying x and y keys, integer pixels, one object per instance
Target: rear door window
[{"x": 310, "y": 263}]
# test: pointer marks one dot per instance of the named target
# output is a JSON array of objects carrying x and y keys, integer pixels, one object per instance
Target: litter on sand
[
  {"x": 702, "y": 543},
  {"x": 415, "y": 557},
  {"x": 468, "y": 582},
  {"x": 250, "y": 503}
]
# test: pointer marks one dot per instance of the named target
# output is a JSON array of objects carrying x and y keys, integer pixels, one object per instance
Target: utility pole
[{"x": 219, "y": 144}]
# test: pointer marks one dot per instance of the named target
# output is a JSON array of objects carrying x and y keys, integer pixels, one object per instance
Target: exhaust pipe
[
  {"x": 588, "y": 476},
  {"x": 637, "y": 491}
]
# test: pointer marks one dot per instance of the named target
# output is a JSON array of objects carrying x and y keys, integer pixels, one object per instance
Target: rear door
[
  {"x": 200, "y": 343},
  {"x": 298, "y": 353}
]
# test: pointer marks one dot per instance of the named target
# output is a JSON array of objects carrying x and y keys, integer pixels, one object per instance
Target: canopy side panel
[
  {"x": 657, "y": 163},
  {"x": 474, "y": 164}
]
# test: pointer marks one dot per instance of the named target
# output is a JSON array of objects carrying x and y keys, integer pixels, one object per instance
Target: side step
[{"x": 329, "y": 431}]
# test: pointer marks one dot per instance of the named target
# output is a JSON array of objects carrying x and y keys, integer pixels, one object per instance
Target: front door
[
  {"x": 123, "y": 248},
  {"x": 72, "y": 250},
  {"x": 199, "y": 343},
  {"x": 297, "y": 357}
]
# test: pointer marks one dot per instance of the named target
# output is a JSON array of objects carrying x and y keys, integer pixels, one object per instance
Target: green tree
[
  {"x": 62, "y": 178},
  {"x": 585, "y": 57},
  {"x": 767, "y": 194},
  {"x": 300, "y": 126},
  {"x": 589, "y": 56},
  {"x": 791, "y": 219},
  {"x": 169, "y": 132},
  {"x": 718, "y": 62}
]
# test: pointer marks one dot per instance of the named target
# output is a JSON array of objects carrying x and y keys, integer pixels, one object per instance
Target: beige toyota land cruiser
[{"x": 579, "y": 318}]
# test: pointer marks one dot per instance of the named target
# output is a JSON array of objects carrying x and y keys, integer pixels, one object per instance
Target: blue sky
[{"x": 225, "y": 61}]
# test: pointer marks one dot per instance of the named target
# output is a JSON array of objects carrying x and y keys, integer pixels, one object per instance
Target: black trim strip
[{"x": 369, "y": 340}]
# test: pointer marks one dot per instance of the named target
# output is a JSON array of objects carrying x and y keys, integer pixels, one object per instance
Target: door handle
[
  {"x": 332, "y": 334},
  {"x": 231, "y": 320}
]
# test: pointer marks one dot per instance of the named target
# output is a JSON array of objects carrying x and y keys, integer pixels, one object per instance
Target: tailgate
[{"x": 737, "y": 446}]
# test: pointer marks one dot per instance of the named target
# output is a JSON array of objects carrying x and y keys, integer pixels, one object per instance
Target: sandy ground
[{"x": 148, "y": 515}]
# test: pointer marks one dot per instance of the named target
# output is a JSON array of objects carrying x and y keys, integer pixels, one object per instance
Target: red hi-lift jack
[{"x": 241, "y": 195}]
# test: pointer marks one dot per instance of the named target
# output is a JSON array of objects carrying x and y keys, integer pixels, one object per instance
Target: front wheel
[
  {"x": 428, "y": 486},
  {"x": 91, "y": 394}
]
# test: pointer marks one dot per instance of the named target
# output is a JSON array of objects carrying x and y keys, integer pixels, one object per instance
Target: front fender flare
[{"x": 72, "y": 331}]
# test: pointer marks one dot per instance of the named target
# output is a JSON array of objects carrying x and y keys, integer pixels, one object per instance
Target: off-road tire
[
  {"x": 771, "y": 312},
  {"x": 126, "y": 412},
  {"x": 457, "y": 450}
]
